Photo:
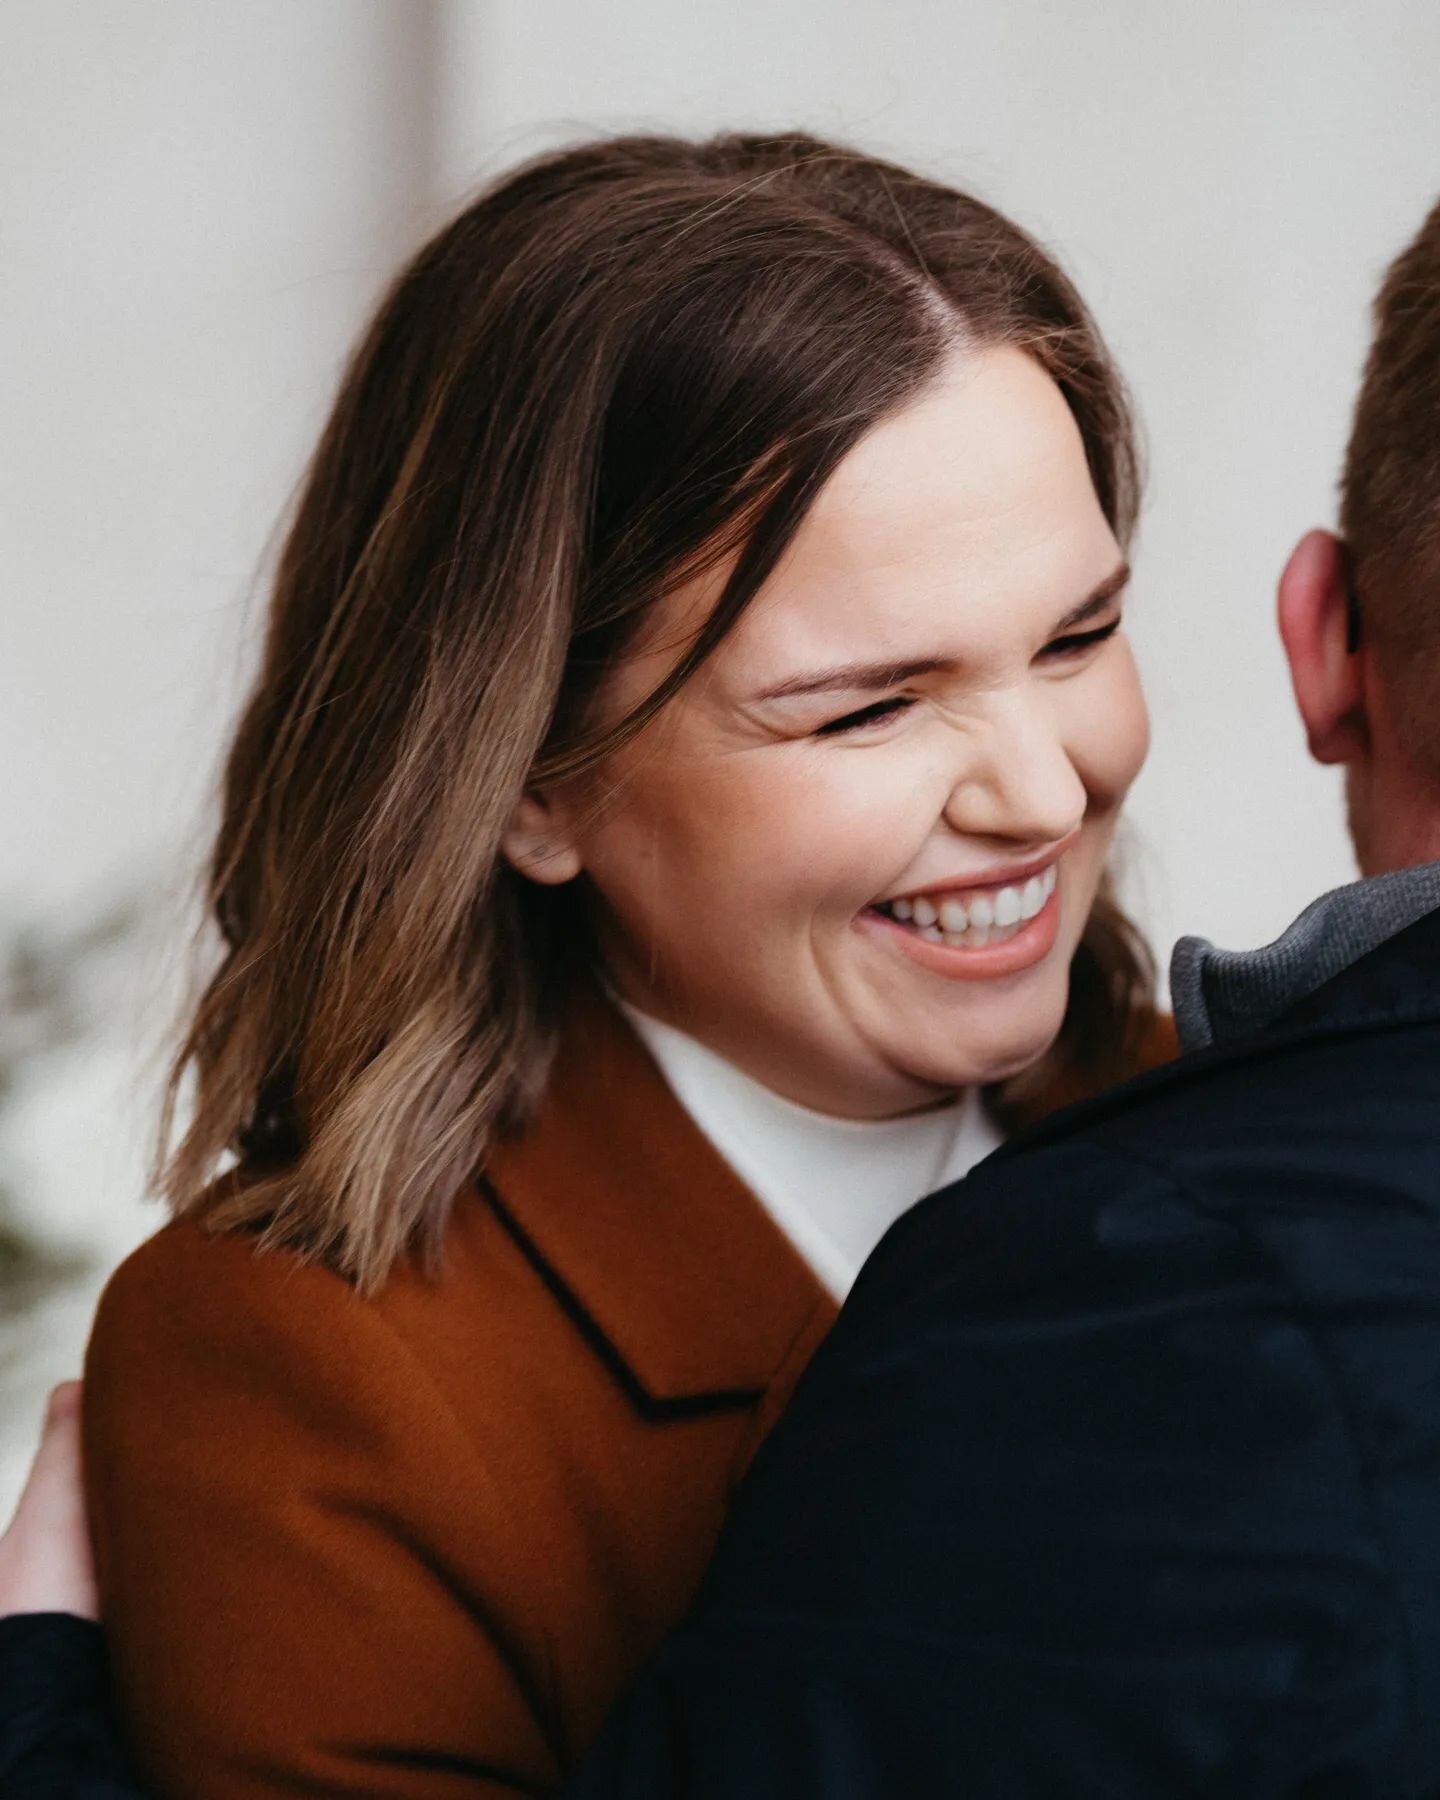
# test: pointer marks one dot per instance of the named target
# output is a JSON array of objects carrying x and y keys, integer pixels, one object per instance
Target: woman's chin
[{"x": 988, "y": 1064}]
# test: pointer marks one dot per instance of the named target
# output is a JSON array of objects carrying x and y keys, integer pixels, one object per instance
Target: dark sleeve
[
  {"x": 1069, "y": 1507},
  {"x": 58, "y": 1739}
]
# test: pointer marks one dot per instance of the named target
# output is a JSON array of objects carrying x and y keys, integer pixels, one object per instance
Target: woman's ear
[
  {"x": 1317, "y": 627},
  {"x": 538, "y": 842}
]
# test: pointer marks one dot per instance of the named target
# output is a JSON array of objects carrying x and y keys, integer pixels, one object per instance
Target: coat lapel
[{"x": 664, "y": 1259}]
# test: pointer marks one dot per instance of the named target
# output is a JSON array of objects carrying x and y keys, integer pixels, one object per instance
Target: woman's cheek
[{"x": 825, "y": 825}]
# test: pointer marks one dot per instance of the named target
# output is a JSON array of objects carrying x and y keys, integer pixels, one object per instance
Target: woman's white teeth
[{"x": 987, "y": 918}]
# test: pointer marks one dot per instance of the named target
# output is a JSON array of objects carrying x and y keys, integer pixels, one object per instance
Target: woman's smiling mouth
[{"x": 974, "y": 933}]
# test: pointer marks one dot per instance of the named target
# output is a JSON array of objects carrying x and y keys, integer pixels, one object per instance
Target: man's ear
[
  {"x": 1325, "y": 663},
  {"x": 538, "y": 843}
]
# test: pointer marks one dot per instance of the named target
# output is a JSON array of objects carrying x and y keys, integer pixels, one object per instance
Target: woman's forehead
[
  {"x": 987, "y": 458},
  {"x": 965, "y": 513},
  {"x": 964, "y": 520}
]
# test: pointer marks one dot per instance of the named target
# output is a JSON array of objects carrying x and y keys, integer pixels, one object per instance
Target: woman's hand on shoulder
[{"x": 46, "y": 1563}]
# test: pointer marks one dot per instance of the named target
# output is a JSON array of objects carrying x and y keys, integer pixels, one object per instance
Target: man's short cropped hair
[{"x": 1390, "y": 493}]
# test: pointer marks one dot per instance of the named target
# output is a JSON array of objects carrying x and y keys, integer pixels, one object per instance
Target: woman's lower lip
[{"x": 1031, "y": 944}]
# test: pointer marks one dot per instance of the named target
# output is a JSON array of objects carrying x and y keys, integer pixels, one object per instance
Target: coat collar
[
  {"x": 1227, "y": 994},
  {"x": 1395, "y": 985},
  {"x": 665, "y": 1261}
]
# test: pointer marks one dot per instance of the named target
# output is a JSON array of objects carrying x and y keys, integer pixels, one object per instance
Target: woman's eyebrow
[
  {"x": 862, "y": 678},
  {"x": 1114, "y": 583},
  {"x": 856, "y": 677}
]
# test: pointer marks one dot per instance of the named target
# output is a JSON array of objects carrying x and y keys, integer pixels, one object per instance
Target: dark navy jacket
[{"x": 1119, "y": 1475}]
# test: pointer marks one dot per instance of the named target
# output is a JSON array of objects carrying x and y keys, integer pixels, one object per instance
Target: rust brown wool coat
[{"x": 415, "y": 1545}]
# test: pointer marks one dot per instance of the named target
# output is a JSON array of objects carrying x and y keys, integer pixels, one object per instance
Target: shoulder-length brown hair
[{"x": 623, "y": 360}]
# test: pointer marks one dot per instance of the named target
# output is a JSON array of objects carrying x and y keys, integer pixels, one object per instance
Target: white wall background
[
  {"x": 200, "y": 200},
  {"x": 198, "y": 203}
]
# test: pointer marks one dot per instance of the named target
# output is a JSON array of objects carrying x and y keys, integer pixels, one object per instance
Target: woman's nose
[{"x": 1022, "y": 785}]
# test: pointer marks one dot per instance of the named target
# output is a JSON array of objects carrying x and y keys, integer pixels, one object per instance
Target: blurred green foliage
[{"x": 46, "y": 1006}]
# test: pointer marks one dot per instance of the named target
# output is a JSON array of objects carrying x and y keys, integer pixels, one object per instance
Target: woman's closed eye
[
  {"x": 876, "y": 714},
  {"x": 1079, "y": 641},
  {"x": 880, "y": 712}
]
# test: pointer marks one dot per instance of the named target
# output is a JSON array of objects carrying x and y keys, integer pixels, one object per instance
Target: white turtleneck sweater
[{"x": 833, "y": 1186}]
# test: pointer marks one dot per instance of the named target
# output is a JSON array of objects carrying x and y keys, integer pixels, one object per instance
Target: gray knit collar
[{"x": 1219, "y": 995}]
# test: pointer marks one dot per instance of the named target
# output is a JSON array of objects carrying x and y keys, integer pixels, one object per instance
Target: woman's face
[{"x": 856, "y": 853}]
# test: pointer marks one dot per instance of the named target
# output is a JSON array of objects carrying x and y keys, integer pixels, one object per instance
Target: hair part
[{"x": 622, "y": 363}]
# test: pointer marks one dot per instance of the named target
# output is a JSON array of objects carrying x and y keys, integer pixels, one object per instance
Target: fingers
[
  {"x": 63, "y": 1406},
  {"x": 45, "y": 1559}
]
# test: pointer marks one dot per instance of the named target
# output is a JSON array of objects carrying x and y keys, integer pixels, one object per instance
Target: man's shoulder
[
  {"x": 1268, "y": 1161},
  {"x": 1193, "y": 1256},
  {"x": 1310, "y": 1097},
  {"x": 1336, "y": 1062},
  {"x": 1075, "y": 1216}
]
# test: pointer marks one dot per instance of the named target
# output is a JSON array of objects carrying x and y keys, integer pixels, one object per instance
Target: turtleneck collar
[{"x": 834, "y": 1186}]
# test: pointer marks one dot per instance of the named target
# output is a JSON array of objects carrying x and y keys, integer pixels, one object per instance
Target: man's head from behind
[{"x": 1360, "y": 614}]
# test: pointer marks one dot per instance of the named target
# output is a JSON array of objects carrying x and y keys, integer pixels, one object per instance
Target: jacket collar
[
  {"x": 665, "y": 1261},
  {"x": 1395, "y": 983},
  {"x": 1393, "y": 986},
  {"x": 1225, "y": 994}
]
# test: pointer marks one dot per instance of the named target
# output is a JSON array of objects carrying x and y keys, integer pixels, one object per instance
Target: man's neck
[
  {"x": 1393, "y": 806},
  {"x": 1403, "y": 842}
]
